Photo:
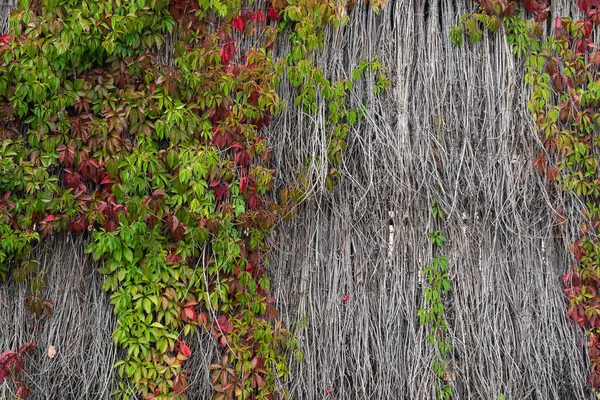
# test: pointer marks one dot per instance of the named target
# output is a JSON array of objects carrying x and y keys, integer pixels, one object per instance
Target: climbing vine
[
  {"x": 436, "y": 286},
  {"x": 11, "y": 365},
  {"x": 562, "y": 70},
  {"x": 164, "y": 168}
]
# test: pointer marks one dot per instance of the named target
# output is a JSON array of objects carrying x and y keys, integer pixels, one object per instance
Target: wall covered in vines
[{"x": 225, "y": 199}]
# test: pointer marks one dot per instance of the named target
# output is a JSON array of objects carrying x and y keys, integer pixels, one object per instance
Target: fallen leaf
[{"x": 51, "y": 351}]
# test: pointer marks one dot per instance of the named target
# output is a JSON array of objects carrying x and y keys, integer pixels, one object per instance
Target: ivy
[
  {"x": 11, "y": 365},
  {"x": 432, "y": 315},
  {"x": 164, "y": 168},
  {"x": 308, "y": 18}
]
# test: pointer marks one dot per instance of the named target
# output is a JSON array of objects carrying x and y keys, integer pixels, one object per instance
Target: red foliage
[
  {"x": 258, "y": 16},
  {"x": 11, "y": 365},
  {"x": 238, "y": 23},
  {"x": 227, "y": 51},
  {"x": 220, "y": 189},
  {"x": 184, "y": 349},
  {"x": 273, "y": 13},
  {"x": 588, "y": 5},
  {"x": 223, "y": 324}
]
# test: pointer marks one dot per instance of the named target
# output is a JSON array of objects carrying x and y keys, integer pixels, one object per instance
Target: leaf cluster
[
  {"x": 432, "y": 316},
  {"x": 164, "y": 168}
]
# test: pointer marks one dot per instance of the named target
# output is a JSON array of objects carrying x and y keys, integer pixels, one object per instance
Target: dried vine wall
[{"x": 453, "y": 127}]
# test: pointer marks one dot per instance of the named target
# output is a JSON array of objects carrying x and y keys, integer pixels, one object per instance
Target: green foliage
[
  {"x": 309, "y": 18},
  {"x": 456, "y": 35},
  {"x": 166, "y": 167},
  {"x": 432, "y": 315}
]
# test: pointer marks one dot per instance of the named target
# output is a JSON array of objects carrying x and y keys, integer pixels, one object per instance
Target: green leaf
[
  {"x": 147, "y": 304},
  {"x": 162, "y": 345},
  {"x": 446, "y": 285},
  {"x": 128, "y": 254}
]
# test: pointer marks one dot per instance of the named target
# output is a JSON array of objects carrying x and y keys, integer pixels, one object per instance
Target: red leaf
[
  {"x": 79, "y": 224},
  {"x": 4, "y": 39},
  {"x": 3, "y": 374},
  {"x": 18, "y": 367},
  {"x": 594, "y": 16},
  {"x": 253, "y": 98},
  {"x": 72, "y": 179},
  {"x": 179, "y": 232},
  {"x": 202, "y": 319},
  {"x": 245, "y": 14},
  {"x": 531, "y": 5},
  {"x": 577, "y": 251},
  {"x": 22, "y": 391},
  {"x": 238, "y": 23},
  {"x": 224, "y": 325},
  {"x": 258, "y": 363},
  {"x": 172, "y": 223},
  {"x": 233, "y": 69},
  {"x": 258, "y": 16},
  {"x": 151, "y": 221},
  {"x": 328, "y": 390},
  {"x": 220, "y": 189},
  {"x": 254, "y": 202},
  {"x": 583, "y": 5},
  {"x": 259, "y": 380},
  {"x": 185, "y": 350},
  {"x": 178, "y": 386},
  {"x": 243, "y": 158},
  {"x": 273, "y": 13},
  {"x": 189, "y": 313},
  {"x": 219, "y": 140},
  {"x": 89, "y": 169},
  {"x": 583, "y": 44},
  {"x": 110, "y": 225},
  {"x": 245, "y": 182},
  {"x": 227, "y": 51},
  {"x": 223, "y": 341},
  {"x": 6, "y": 354},
  {"x": 587, "y": 28},
  {"x": 346, "y": 298},
  {"x": 66, "y": 155},
  {"x": 271, "y": 313},
  {"x": 173, "y": 258}
]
